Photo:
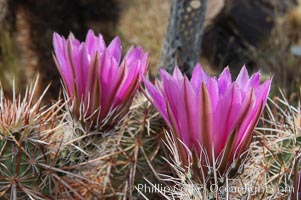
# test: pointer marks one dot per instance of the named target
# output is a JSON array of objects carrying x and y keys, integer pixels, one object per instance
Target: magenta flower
[
  {"x": 98, "y": 83},
  {"x": 217, "y": 115}
]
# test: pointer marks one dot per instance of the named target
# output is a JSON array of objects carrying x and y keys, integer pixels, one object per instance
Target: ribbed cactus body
[
  {"x": 20, "y": 166},
  {"x": 25, "y": 153}
]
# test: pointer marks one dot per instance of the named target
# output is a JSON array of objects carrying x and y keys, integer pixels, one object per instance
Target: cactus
[
  {"x": 110, "y": 164},
  {"x": 270, "y": 170},
  {"x": 31, "y": 165},
  {"x": 24, "y": 127},
  {"x": 276, "y": 153},
  {"x": 140, "y": 144},
  {"x": 180, "y": 184}
]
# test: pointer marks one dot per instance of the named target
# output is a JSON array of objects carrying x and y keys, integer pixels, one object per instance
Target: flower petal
[
  {"x": 224, "y": 81},
  {"x": 115, "y": 49},
  {"x": 243, "y": 77},
  {"x": 177, "y": 74},
  {"x": 205, "y": 121},
  {"x": 157, "y": 99},
  {"x": 198, "y": 77}
]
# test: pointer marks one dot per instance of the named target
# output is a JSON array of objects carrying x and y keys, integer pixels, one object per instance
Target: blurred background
[{"x": 263, "y": 34}]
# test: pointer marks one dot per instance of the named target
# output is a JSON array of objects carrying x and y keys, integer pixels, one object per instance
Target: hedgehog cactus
[
  {"x": 114, "y": 163},
  {"x": 32, "y": 144},
  {"x": 99, "y": 90},
  {"x": 52, "y": 153},
  {"x": 23, "y": 150},
  {"x": 140, "y": 142}
]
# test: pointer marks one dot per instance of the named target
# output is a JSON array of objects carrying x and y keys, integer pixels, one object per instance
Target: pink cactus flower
[
  {"x": 208, "y": 114},
  {"x": 99, "y": 85}
]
